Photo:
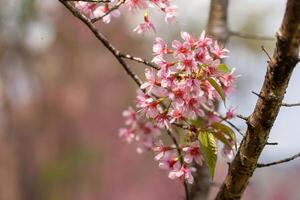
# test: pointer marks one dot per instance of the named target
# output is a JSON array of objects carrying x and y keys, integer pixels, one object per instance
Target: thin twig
[
  {"x": 255, "y": 93},
  {"x": 242, "y": 117},
  {"x": 264, "y": 50},
  {"x": 290, "y": 104},
  {"x": 250, "y": 36},
  {"x": 103, "y": 40},
  {"x": 139, "y": 60},
  {"x": 115, "y": 7},
  {"x": 261, "y": 165},
  {"x": 272, "y": 143},
  {"x": 234, "y": 126}
]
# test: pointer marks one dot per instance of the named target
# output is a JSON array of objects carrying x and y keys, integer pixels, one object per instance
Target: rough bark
[
  {"x": 217, "y": 28},
  {"x": 260, "y": 122}
]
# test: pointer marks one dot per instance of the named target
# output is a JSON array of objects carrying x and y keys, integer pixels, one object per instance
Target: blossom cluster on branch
[
  {"x": 183, "y": 94},
  {"x": 105, "y": 10}
]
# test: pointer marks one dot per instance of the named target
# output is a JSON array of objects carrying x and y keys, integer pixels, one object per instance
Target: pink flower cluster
[
  {"x": 182, "y": 94},
  {"x": 94, "y": 10}
]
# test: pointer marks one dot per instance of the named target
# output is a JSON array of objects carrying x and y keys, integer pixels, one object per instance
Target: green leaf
[
  {"x": 224, "y": 129},
  {"x": 209, "y": 150},
  {"x": 223, "y": 68},
  {"x": 217, "y": 88}
]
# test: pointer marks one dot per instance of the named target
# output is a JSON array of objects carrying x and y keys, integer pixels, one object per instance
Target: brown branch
[
  {"x": 115, "y": 7},
  {"x": 261, "y": 165},
  {"x": 103, "y": 40},
  {"x": 250, "y": 36},
  {"x": 260, "y": 122}
]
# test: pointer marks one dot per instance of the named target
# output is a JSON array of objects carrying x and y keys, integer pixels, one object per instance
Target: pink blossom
[
  {"x": 227, "y": 82},
  {"x": 168, "y": 80},
  {"x": 184, "y": 173},
  {"x": 203, "y": 41},
  {"x": 162, "y": 120},
  {"x": 230, "y": 113},
  {"x": 213, "y": 118},
  {"x": 193, "y": 108},
  {"x": 127, "y": 134},
  {"x": 188, "y": 39},
  {"x": 192, "y": 153},
  {"x": 170, "y": 14},
  {"x": 147, "y": 25},
  {"x": 86, "y": 8},
  {"x": 133, "y": 5},
  {"x": 169, "y": 161},
  {"x": 130, "y": 117},
  {"x": 102, "y": 10},
  {"x": 177, "y": 113},
  {"x": 160, "y": 47},
  {"x": 180, "y": 49},
  {"x": 187, "y": 63},
  {"x": 201, "y": 56},
  {"x": 161, "y": 151},
  {"x": 148, "y": 105},
  {"x": 179, "y": 91},
  {"x": 151, "y": 79},
  {"x": 160, "y": 3},
  {"x": 218, "y": 51}
]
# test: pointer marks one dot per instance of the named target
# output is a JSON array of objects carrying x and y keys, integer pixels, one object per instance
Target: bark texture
[{"x": 260, "y": 122}]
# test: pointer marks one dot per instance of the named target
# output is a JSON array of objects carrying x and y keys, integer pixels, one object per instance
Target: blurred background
[{"x": 62, "y": 94}]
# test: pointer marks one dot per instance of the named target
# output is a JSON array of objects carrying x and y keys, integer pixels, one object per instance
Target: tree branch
[
  {"x": 260, "y": 122},
  {"x": 261, "y": 165},
  {"x": 117, "y": 54}
]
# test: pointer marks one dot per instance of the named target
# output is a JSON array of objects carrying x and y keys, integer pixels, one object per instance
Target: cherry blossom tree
[{"x": 175, "y": 115}]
